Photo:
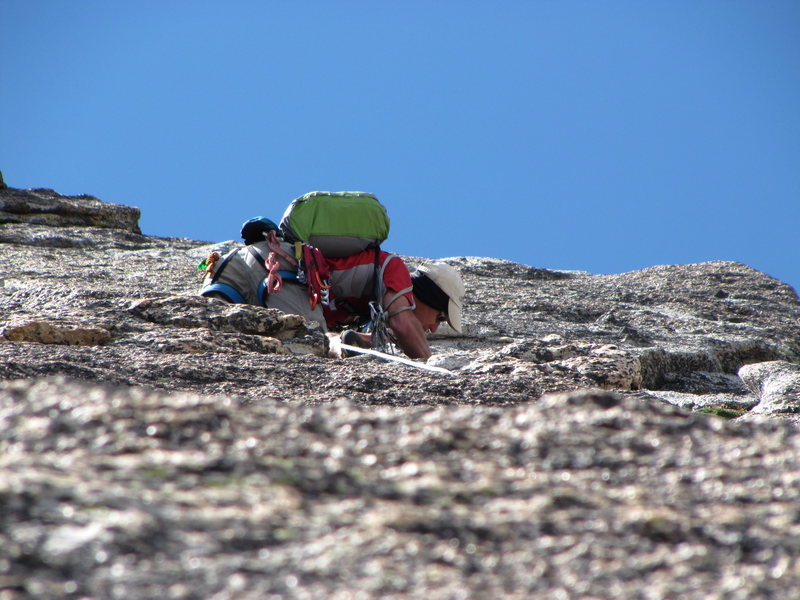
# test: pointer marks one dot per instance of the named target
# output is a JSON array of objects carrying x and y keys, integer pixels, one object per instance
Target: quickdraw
[
  {"x": 274, "y": 280},
  {"x": 318, "y": 291},
  {"x": 275, "y": 247},
  {"x": 381, "y": 336}
]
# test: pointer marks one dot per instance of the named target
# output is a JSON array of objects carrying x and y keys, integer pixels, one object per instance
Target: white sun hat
[{"x": 449, "y": 281}]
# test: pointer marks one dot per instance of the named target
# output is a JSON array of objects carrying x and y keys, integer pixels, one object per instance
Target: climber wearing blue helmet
[{"x": 262, "y": 273}]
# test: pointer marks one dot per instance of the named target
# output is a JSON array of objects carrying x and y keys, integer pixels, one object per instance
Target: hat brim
[{"x": 454, "y": 315}]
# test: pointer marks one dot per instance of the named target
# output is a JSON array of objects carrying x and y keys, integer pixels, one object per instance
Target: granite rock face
[
  {"x": 46, "y": 207},
  {"x": 776, "y": 384},
  {"x": 158, "y": 444},
  {"x": 47, "y": 332}
]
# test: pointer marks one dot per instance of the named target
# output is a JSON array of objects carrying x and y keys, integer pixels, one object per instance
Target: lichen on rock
[{"x": 48, "y": 332}]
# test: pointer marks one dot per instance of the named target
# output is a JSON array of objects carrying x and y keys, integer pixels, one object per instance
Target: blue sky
[{"x": 603, "y": 136}]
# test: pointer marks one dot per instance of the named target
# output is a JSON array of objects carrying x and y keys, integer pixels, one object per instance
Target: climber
[
  {"x": 262, "y": 273},
  {"x": 411, "y": 305}
]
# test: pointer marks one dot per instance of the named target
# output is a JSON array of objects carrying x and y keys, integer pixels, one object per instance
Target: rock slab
[
  {"x": 776, "y": 384},
  {"x": 46, "y": 207},
  {"x": 156, "y": 444}
]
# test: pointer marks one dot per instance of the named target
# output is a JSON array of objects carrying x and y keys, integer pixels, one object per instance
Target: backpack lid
[{"x": 338, "y": 223}]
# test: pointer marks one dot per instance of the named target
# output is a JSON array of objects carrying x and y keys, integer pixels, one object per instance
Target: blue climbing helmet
[{"x": 253, "y": 230}]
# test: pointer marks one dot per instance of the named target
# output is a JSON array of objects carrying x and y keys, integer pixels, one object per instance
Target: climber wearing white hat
[
  {"x": 438, "y": 285},
  {"x": 408, "y": 307}
]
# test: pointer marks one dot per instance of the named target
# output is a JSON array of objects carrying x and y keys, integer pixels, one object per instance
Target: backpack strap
[
  {"x": 225, "y": 261},
  {"x": 226, "y": 290},
  {"x": 411, "y": 306},
  {"x": 380, "y": 289},
  {"x": 257, "y": 255}
]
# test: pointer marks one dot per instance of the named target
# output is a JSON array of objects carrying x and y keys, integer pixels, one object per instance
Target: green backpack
[{"x": 338, "y": 223}]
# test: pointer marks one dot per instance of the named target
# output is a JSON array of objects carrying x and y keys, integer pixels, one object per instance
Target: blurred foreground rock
[
  {"x": 156, "y": 444},
  {"x": 120, "y": 492}
]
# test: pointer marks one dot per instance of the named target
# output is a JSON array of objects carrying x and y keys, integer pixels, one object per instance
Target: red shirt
[{"x": 353, "y": 281}]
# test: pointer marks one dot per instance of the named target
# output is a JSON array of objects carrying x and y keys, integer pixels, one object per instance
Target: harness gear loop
[
  {"x": 317, "y": 275},
  {"x": 321, "y": 290}
]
